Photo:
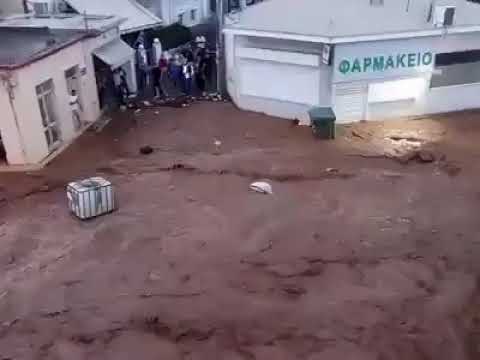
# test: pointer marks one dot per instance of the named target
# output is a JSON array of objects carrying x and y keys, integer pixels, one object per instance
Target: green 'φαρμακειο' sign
[{"x": 385, "y": 63}]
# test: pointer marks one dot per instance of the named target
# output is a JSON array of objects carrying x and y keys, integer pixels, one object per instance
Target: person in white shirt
[
  {"x": 188, "y": 73},
  {"x": 75, "y": 107}
]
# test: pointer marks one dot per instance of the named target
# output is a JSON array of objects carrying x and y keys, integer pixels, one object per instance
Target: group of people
[{"x": 186, "y": 69}]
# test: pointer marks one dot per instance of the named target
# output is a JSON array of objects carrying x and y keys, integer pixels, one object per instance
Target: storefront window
[{"x": 457, "y": 68}]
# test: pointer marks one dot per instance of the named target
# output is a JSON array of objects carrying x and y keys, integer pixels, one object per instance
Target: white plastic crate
[{"x": 90, "y": 197}]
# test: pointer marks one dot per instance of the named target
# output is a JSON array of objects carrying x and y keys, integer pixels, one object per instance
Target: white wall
[
  {"x": 170, "y": 9},
  {"x": 8, "y": 7},
  {"x": 290, "y": 82}
]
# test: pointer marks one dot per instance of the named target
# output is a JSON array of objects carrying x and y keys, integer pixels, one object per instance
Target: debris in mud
[
  {"x": 217, "y": 143},
  {"x": 406, "y": 139},
  {"x": 146, "y": 150},
  {"x": 332, "y": 170},
  {"x": 262, "y": 187},
  {"x": 267, "y": 247},
  {"x": 10, "y": 323},
  {"x": 426, "y": 156},
  {"x": 84, "y": 339},
  {"x": 421, "y": 156},
  {"x": 450, "y": 168},
  {"x": 154, "y": 276},
  {"x": 192, "y": 333},
  {"x": 294, "y": 290},
  {"x": 185, "y": 278},
  {"x": 357, "y": 134},
  {"x": 53, "y": 314},
  {"x": 392, "y": 175},
  {"x": 70, "y": 283},
  {"x": 170, "y": 295},
  {"x": 298, "y": 269},
  {"x": 249, "y": 136}
]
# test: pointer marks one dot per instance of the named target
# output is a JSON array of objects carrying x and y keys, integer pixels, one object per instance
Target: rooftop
[
  {"x": 136, "y": 16},
  {"x": 63, "y": 21},
  {"x": 20, "y": 46},
  {"x": 349, "y": 18}
]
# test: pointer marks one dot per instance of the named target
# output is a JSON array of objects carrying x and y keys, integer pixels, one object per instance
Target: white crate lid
[{"x": 89, "y": 184}]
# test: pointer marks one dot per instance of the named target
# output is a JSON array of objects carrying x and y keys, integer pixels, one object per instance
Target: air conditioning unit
[
  {"x": 443, "y": 16},
  {"x": 41, "y": 9},
  {"x": 376, "y": 2}
]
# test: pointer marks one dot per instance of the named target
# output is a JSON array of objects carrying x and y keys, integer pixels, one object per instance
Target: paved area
[{"x": 363, "y": 252}]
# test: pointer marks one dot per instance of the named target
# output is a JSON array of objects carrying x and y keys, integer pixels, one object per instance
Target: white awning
[{"x": 115, "y": 53}]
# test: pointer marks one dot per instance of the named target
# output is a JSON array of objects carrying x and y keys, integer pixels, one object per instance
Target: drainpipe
[
  {"x": 25, "y": 6},
  {"x": 9, "y": 85}
]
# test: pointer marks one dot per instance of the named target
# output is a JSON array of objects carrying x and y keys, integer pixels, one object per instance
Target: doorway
[
  {"x": 3, "y": 152},
  {"x": 46, "y": 102},
  {"x": 73, "y": 84}
]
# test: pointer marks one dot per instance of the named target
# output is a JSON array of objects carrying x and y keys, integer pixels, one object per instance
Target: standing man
[
  {"x": 188, "y": 73},
  {"x": 200, "y": 76},
  {"x": 176, "y": 66},
  {"x": 117, "y": 81},
  {"x": 142, "y": 62},
  {"x": 163, "y": 66},
  {"x": 75, "y": 107}
]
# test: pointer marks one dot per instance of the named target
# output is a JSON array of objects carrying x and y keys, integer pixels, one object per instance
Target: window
[
  {"x": 40, "y": 8},
  {"x": 457, "y": 68},
  {"x": 459, "y": 57},
  {"x": 193, "y": 15},
  {"x": 180, "y": 18},
  {"x": 233, "y": 5},
  {"x": 45, "y": 98}
]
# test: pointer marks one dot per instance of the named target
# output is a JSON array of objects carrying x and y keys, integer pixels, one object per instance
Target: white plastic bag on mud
[{"x": 262, "y": 187}]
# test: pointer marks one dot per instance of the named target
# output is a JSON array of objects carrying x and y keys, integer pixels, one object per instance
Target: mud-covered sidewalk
[{"x": 363, "y": 252}]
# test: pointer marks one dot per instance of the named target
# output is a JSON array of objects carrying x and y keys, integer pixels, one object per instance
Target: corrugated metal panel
[
  {"x": 350, "y": 101},
  {"x": 137, "y": 17},
  {"x": 286, "y": 82}
]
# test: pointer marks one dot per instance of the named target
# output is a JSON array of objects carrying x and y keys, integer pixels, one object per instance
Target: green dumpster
[{"x": 323, "y": 122}]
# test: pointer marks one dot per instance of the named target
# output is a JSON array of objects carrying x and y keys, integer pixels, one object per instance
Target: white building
[
  {"x": 41, "y": 61},
  {"x": 136, "y": 16},
  {"x": 368, "y": 59},
  {"x": 185, "y": 12}
]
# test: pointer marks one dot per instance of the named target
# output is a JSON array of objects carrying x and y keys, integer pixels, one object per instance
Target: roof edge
[
  {"x": 43, "y": 54},
  {"x": 140, "y": 28},
  {"x": 350, "y": 39}
]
